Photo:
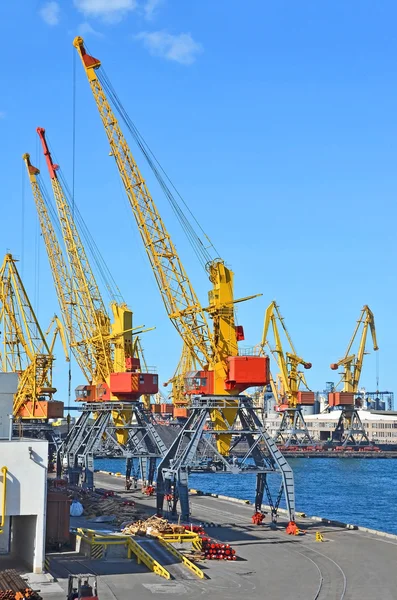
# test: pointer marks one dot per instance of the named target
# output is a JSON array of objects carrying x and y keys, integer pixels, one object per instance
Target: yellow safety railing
[
  {"x": 149, "y": 561},
  {"x": 180, "y": 538},
  {"x": 92, "y": 537},
  {"x": 4, "y": 471},
  {"x": 188, "y": 563}
]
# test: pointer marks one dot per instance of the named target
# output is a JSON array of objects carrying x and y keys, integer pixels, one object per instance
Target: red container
[
  {"x": 58, "y": 519},
  {"x": 182, "y": 413},
  {"x": 155, "y": 408},
  {"x": 306, "y": 398},
  {"x": 167, "y": 408},
  {"x": 341, "y": 399},
  {"x": 248, "y": 371},
  {"x": 133, "y": 384},
  {"x": 41, "y": 409}
]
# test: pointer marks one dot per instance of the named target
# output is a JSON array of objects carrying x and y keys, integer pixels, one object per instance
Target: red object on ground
[
  {"x": 292, "y": 528},
  {"x": 257, "y": 518}
]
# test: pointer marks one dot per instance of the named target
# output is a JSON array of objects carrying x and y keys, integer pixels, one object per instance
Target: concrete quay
[{"x": 348, "y": 565}]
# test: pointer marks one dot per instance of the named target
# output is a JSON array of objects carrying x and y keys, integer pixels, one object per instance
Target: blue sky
[{"x": 275, "y": 119}]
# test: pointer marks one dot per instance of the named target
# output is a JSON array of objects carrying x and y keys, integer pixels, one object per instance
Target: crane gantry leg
[
  {"x": 293, "y": 429},
  {"x": 261, "y": 458},
  {"x": 86, "y": 437},
  {"x": 350, "y": 429}
]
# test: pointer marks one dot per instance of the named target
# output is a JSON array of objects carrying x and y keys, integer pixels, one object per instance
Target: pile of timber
[
  {"x": 101, "y": 503},
  {"x": 13, "y": 587},
  {"x": 154, "y": 526}
]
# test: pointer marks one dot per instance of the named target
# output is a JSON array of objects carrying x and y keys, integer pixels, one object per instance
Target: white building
[
  {"x": 23, "y": 488},
  {"x": 380, "y": 427}
]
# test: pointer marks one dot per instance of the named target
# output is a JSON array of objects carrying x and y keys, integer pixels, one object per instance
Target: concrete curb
[
  {"x": 302, "y": 515},
  {"x": 392, "y": 536},
  {"x": 285, "y": 512}
]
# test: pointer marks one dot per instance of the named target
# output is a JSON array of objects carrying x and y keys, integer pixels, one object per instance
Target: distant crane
[
  {"x": 187, "y": 366},
  {"x": 224, "y": 373},
  {"x": 27, "y": 351},
  {"x": 350, "y": 428},
  {"x": 290, "y": 399}
]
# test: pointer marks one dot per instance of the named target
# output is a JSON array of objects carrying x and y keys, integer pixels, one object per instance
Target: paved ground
[{"x": 349, "y": 565}]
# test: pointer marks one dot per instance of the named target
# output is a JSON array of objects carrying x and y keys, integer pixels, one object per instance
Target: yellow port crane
[
  {"x": 187, "y": 364},
  {"x": 25, "y": 349},
  {"x": 103, "y": 349},
  {"x": 216, "y": 351},
  {"x": 350, "y": 429},
  {"x": 223, "y": 372},
  {"x": 107, "y": 352},
  {"x": 293, "y": 429}
]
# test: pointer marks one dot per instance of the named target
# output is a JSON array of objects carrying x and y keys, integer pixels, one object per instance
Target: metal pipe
[
  {"x": 4, "y": 471},
  {"x": 10, "y": 428}
]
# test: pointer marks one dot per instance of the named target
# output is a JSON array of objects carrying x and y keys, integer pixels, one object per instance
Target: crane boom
[
  {"x": 351, "y": 363},
  {"x": 93, "y": 320},
  {"x": 103, "y": 349},
  {"x": 287, "y": 362},
  {"x": 60, "y": 275},
  {"x": 179, "y": 297}
]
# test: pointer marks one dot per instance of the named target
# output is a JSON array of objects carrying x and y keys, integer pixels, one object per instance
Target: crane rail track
[{"x": 324, "y": 590}]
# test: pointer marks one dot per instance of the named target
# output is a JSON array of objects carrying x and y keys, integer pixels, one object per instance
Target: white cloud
[
  {"x": 111, "y": 11},
  {"x": 181, "y": 48},
  {"x": 86, "y": 29},
  {"x": 50, "y": 13},
  {"x": 150, "y": 7}
]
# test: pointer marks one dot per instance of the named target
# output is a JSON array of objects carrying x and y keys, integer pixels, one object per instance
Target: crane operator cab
[{"x": 82, "y": 586}]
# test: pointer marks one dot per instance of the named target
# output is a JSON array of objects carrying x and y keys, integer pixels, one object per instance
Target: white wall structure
[
  {"x": 8, "y": 387},
  {"x": 380, "y": 427},
  {"x": 26, "y": 500}
]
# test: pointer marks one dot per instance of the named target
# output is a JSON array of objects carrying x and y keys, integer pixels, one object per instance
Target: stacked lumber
[
  {"x": 154, "y": 526},
  {"x": 101, "y": 504},
  {"x": 13, "y": 587}
]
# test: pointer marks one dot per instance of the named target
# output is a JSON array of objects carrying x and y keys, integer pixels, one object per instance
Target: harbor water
[{"x": 357, "y": 491}]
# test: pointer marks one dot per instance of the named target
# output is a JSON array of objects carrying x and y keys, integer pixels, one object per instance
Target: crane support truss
[
  {"x": 350, "y": 429},
  {"x": 84, "y": 440},
  {"x": 266, "y": 458},
  {"x": 293, "y": 429}
]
